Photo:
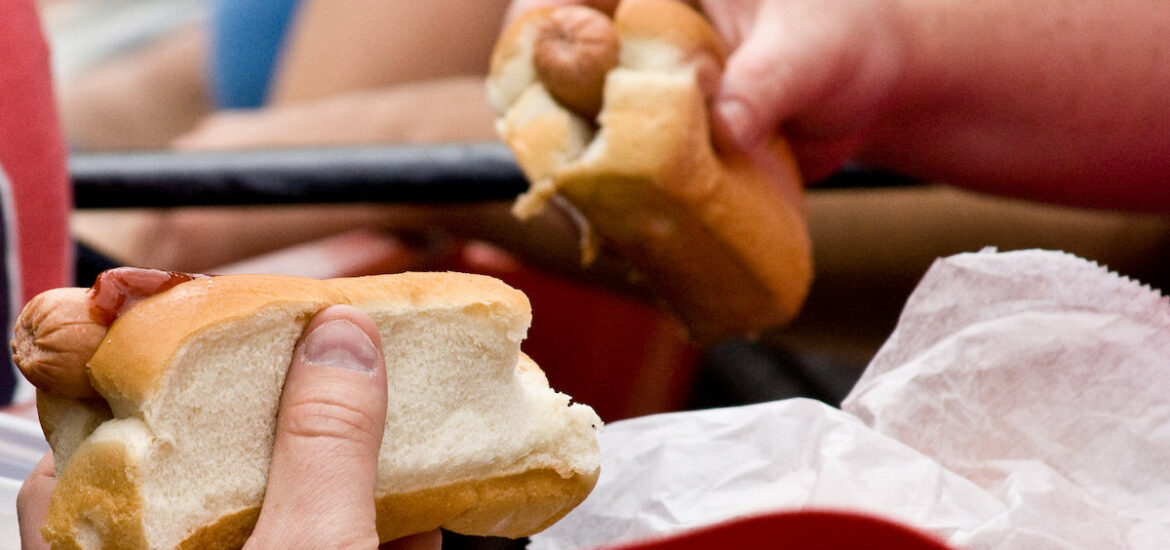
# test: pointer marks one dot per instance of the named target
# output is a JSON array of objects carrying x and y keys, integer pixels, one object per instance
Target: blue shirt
[{"x": 247, "y": 37}]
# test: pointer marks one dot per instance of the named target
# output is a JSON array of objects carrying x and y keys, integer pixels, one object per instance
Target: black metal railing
[{"x": 448, "y": 173}]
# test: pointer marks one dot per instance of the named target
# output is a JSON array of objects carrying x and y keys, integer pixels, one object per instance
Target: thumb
[
  {"x": 783, "y": 64},
  {"x": 759, "y": 88},
  {"x": 324, "y": 462},
  {"x": 822, "y": 71}
]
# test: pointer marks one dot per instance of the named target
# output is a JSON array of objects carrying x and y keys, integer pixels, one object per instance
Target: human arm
[
  {"x": 1051, "y": 101},
  {"x": 1061, "y": 102},
  {"x": 366, "y": 44},
  {"x": 371, "y": 72},
  {"x": 450, "y": 109},
  {"x": 141, "y": 99}
]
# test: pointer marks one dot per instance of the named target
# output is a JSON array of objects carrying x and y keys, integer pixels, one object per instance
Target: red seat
[{"x": 802, "y": 530}]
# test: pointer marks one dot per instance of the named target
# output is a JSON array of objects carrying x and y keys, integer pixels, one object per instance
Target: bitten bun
[
  {"x": 721, "y": 239},
  {"x": 175, "y": 452}
]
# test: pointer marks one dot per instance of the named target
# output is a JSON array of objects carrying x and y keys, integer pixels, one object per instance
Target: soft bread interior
[
  {"x": 465, "y": 405},
  {"x": 548, "y": 137},
  {"x": 721, "y": 237}
]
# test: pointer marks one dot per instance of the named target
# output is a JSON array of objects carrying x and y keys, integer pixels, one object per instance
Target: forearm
[
  {"x": 140, "y": 100},
  {"x": 453, "y": 109},
  {"x": 1064, "y": 101},
  {"x": 338, "y": 47}
]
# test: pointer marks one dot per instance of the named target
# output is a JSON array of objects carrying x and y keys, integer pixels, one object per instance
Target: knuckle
[{"x": 329, "y": 418}]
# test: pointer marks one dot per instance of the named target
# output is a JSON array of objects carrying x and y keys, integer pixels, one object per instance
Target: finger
[
  {"x": 324, "y": 461},
  {"x": 32, "y": 503},
  {"x": 769, "y": 77}
]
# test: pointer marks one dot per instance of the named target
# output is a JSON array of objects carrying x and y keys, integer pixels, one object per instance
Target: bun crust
[
  {"x": 721, "y": 238},
  {"x": 470, "y": 507},
  {"x": 476, "y": 441}
]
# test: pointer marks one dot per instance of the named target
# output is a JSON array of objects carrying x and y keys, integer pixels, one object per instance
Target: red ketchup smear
[{"x": 117, "y": 290}]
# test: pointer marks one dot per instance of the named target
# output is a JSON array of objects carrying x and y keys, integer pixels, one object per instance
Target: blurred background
[{"x": 153, "y": 82}]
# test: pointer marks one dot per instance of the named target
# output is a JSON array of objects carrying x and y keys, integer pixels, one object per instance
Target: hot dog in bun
[
  {"x": 609, "y": 115},
  {"x": 163, "y": 437}
]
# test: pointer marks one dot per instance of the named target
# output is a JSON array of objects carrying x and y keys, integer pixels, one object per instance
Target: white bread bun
[
  {"x": 177, "y": 455},
  {"x": 722, "y": 240}
]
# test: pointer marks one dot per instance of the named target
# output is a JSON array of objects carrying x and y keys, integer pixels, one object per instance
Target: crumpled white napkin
[{"x": 1023, "y": 402}]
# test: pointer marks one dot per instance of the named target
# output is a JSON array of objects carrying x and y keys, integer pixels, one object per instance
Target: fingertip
[
  {"x": 337, "y": 369},
  {"x": 329, "y": 430},
  {"x": 733, "y": 125},
  {"x": 343, "y": 337},
  {"x": 759, "y": 89},
  {"x": 348, "y": 313}
]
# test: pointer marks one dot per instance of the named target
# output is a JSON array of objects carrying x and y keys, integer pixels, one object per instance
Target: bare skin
[
  {"x": 371, "y": 72},
  {"x": 404, "y": 80},
  {"x": 1054, "y": 101},
  {"x": 324, "y": 463}
]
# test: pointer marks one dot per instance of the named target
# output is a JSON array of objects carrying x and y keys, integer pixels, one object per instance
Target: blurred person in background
[
  {"x": 360, "y": 71},
  {"x": 272, "y": 74}
]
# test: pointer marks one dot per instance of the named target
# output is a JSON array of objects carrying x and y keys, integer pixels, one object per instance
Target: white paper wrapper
[{"x": 1022, "y": 403}]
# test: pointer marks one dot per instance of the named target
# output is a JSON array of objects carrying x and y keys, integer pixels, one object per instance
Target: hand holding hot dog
[
  {"x": 192, "y": 373},
  {"x": 340, "y": 357},
  {"x": 996, "y": 96},
  {"x": 608, "y": 115}
]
